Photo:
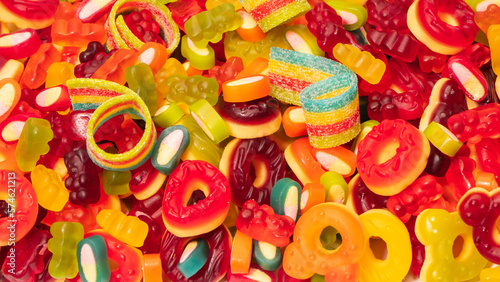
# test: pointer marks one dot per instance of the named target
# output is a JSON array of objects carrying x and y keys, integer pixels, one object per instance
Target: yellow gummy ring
[{"x": 133, "y": 158}]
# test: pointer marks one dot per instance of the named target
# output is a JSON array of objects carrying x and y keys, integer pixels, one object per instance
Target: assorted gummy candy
[{"x": 291, "y": 140}]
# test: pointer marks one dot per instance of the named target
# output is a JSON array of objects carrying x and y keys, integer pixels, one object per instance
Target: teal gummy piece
[
  {"x": 309, "y": 96},
  {"x": 360, "y": 35},
  {"x": 171, "y": 147},
  {"x": 93, "y": 264},
  {"x": 63, "y": 246},
  {"x": 141, "y": 80},
  {"x": 270, "y": 263},
  {"x": 307, "y": 60},
  {"x": 195, "y": 261},
  {"x": 281, "y": 192}
]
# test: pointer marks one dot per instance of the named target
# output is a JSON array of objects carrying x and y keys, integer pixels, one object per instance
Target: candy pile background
[{"x": 291, "y": 140}]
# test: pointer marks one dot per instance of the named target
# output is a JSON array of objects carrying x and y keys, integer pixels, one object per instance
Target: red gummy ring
[
  {"x": 267, "y": 160},
  {"x": 219, "y": 241},
  {"x": 18, "y": 192},
  {"x": 392, "y": 156},
  {"x": 445, "y": 26},
  {"x": 207, "y": 214}
]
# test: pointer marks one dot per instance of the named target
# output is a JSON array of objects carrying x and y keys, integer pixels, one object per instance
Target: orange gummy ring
[{"x": 306, "y": 255}]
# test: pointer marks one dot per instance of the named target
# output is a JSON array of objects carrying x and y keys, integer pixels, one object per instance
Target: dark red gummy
[{"x": 83, "y": 179}]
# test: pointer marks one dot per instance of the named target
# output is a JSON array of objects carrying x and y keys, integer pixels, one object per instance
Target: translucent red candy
[
  {"x": 262, "y": 224},
  {"x": 472, "y": 125},
  {"x": 83, "y": 179},
  {"x": 364, "y": 199},
  {"x": 395, "y": 44},
  {"x": 387, "y": 15},
  {"x": 392, "y": 105}
]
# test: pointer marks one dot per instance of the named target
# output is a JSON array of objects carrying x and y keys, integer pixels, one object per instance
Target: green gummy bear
[
  {"x": 63, "y": 246},
  {"x": 33, "y": 142},
  {"x": 189, "y": 89},
  {"x": 208, "y": 26},
  {"x": 116, "y": 182},
  {"x": 141, "y": 80}
]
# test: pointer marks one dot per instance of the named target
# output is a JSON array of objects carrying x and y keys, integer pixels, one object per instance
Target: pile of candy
[{"x": 292, "y": 140}]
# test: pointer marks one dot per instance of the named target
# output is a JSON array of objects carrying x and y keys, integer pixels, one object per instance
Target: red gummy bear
[
  {"x": 480, "y": 122},
  {"x": 391, "y": 105},
  {"x": 262, "y": 224}
]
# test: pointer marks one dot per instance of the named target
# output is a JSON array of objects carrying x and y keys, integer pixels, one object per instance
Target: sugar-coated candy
[
  {"x": 171, "y": 144},
  {"x": 128, "y": 259},
  {"x": 382, "y": 224},
  {"x": 92, "y": 258},
  {"x": 285, "y": 198},
  {"x": 268, "y": 163},
  {"x": 23, "y": 211},
  {"x": 20, "y": 44},
  {"x": 194, "y": 256},
  {"x": 63, "y": 246},
  {"x": 140, "y": 79},
  {"x": 119, "y": 34},
  {"x": 33, "y": 142},
  {"x": 219, "y": 241},
  {"x": 128, "y": 103},
  {"x": 262, "y": 224},
  {"x": 202, "y": 58},
  {"x": 241, "y": 253},
  {"x": 88, "y": 94},
  {"x": 30, "y": 254},
  {"x": 396, "y": 142},
  {"x": 249, "y": 29},
  {"x": 50, "y": 189},
  {"x": 210, "y": 25},
  {"x": 203, "y": 216},
  {"x": 438, "y": 230},
  {"x": 189, "y": 89},
  {"x": 269, "y": 14},
  {"x": 296, "y": 259},
  {"x": 209, "y": 120}
]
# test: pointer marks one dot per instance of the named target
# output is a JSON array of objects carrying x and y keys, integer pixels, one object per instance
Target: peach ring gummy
[
  {"x": 445, "y": 26},
  {"x": 185, "y": 220},
  {"x": 392, "y": 156},
  {"x": 306, "y": 255},
  {"x": 268, "y": 164},
  {"x": 22, "y": 210}
]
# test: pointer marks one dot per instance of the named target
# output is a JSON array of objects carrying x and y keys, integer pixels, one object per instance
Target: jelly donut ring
[
  {"x": 219, "y": 242},
  {"x": 120, "y": 36},
  {"x": 392, "y": 156},
  {"x": 139, "y": 154},
  {"x": 306, "y": 255},
  {"x": 253, "y": 119},
  {"x": 445, "y": 26},
  {"x": 267, "y": 160},
  {"x": 18, "y": 193},
  {"x": 204, "y": 216}
]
